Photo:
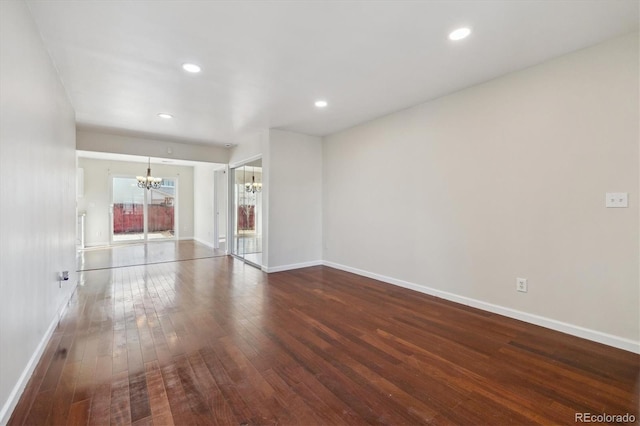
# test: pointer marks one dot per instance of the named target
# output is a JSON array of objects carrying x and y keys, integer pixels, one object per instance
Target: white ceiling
[{"x": 264, "y": 63}]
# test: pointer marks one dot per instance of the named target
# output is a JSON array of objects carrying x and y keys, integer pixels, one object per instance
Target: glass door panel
[
  {"x": 237, "y": 177},
  {"x": 252, "y": 232},
  {"x": 161, "y": 211},
  {"x": 138, "y": 214},
  {"x": 127, "y": 210},
  {"x": 247, "y": 212}
]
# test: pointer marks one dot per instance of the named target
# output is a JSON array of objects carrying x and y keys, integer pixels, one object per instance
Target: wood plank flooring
[{"x": 213, "y": 341}]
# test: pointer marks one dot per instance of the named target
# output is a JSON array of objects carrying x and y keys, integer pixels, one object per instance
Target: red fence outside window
[{"x": 129, "y": 218}]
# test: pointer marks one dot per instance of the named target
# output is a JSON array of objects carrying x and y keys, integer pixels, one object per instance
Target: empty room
[{"x": 319, "y": 212}]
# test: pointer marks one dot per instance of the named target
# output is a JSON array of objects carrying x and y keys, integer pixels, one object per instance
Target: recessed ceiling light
[
  {"x": 165, "y": 115},
  {"x": 321, "y": 104},
  {"x": 227, "y": 145},
  {"x": 459, "y": 34},
  {"x": 191, "y": 68}
]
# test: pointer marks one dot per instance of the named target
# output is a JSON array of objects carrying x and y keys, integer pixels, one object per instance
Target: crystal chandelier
[
  {"x": 253, "y": 187},
  {"x": 148, "y": 181}
]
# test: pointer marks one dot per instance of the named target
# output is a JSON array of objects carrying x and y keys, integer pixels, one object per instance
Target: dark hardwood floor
[{"x": 213, "y": 341}]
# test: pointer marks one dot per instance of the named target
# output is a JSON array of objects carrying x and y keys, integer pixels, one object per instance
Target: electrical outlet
[
  {"x": 617, "y": 200},
  {"x": 521, "y": 285}
]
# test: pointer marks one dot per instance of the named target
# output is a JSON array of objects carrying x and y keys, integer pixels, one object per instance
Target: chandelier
[
  {"x": 253, "y": 187},
  {"x": 148, "y": 181}
]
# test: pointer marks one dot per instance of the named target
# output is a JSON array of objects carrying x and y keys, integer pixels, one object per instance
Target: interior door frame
[{"x": 232, "y": 208}]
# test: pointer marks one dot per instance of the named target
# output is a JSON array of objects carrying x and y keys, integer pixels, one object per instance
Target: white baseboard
[
  {"x": 18, "y": 389},
  {"x": 574, "y": 330},
  {"x": 292, "y": 266}
]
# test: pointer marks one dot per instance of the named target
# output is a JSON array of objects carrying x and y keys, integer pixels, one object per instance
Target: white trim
[
  {"x": 245, "y": 161},
  {"x": 21, "y": 384},
  {"x": 574, "y": 330},
  {"x": 292, "y": 266}
]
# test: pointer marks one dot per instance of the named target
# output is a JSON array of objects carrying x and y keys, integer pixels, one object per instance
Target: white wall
[
  {"x": 503, "y": 180},
  {"x": 295, "y": 200},
  {"x": 97, "y": 195},
  {"x": 203, "y": 212},
  {"x": 249, "y": 146},
  {"x": 101, "y": 141},
  {"x": 37, "y": 222}
]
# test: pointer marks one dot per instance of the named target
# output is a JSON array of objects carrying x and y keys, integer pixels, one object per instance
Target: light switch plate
[{"x": 617, "y": 199}]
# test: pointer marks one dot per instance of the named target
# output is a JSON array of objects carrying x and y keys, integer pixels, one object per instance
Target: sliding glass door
[
  {"x": 161, "y": 211},
  {"x": 138, "y": 214},
  {"x": 247, "y": 212},
  {"x": 127, "y": 210}
]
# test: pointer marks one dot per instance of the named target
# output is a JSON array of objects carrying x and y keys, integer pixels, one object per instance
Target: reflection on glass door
[
  {"x": 127, "y": 210},
  {"x": 247, "y": 212},
  {"x": 161, "y": 211},
  {"x": 139, "y": 214}
]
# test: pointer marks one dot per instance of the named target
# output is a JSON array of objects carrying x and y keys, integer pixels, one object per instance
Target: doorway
[
  {"x": 247, "y": 212},
  {"x": 139, "y": 214}
]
